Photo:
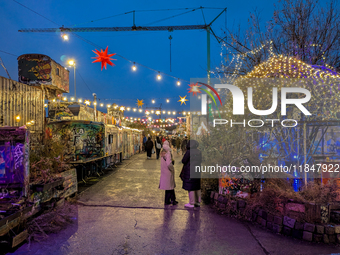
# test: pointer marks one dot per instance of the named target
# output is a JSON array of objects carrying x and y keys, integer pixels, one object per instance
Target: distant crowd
[{"x": 154, "y": 145}]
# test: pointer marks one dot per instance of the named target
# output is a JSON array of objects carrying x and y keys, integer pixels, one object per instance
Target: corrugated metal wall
[{"x": 23, "y": 100}]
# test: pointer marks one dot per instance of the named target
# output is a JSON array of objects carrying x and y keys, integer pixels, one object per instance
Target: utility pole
[
  {"x": 95, "y": 106},
  {"x": 208, "y": 67},
  {"x": 170, "y": 38}
]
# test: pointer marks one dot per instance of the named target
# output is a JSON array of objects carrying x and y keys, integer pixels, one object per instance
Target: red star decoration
[
  {"x": 194, "y": 88},
  {"x": 103, "y": 57}
]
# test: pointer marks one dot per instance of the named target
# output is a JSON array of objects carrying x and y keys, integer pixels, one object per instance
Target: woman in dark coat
[
  {"x": 192, "y": 158},
  {"x": 158, "y": 144},
  {"x": 148, "y": 147}
]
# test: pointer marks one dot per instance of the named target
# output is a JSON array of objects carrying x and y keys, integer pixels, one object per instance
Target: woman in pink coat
[{"x": 167, "y": 180}]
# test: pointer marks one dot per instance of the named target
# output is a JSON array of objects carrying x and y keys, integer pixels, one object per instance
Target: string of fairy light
[
  {"x": 129, "y": 108},
  {"x": 134, "y": 68}
]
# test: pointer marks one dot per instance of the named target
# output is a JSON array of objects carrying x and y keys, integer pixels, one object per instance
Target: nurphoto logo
[{"x": 238, "y": 105}]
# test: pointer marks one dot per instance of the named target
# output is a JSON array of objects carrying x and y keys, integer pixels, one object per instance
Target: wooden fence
[{"x": 27, "y": 102}]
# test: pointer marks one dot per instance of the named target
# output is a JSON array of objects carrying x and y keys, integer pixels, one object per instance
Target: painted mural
[
  {"x": 14, "y": 161},
  {"x": 37, "y": 69},
  {"x": 58, "y": 111},
  {"x": 85, "y": 139}
]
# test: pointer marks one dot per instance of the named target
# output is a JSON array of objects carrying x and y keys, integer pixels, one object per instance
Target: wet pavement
[{"x": 124, "y": 213}]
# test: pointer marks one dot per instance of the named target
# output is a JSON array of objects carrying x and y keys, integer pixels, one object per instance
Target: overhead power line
[
  {"x": 35, "y": 12},
  {"x": 83, "y": 80},
  {"x": 8, "y": 53}
]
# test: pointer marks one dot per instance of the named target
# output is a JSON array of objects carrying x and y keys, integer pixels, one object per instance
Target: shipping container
[
  {"x": 21, "y": 105},
  {"x": 39, "y": 69},
  {"x": 85, "y": 139}
]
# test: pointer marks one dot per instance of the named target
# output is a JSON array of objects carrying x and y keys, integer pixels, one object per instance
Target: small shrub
[
  {"x": 46, "y": 160},
  {"x": 318, "y": 193}
]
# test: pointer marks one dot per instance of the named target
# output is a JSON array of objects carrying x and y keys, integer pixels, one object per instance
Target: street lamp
[{"x": 73, "y": 63}]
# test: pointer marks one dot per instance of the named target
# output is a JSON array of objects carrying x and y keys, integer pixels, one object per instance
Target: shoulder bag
[{"x": 171, "y": 165}]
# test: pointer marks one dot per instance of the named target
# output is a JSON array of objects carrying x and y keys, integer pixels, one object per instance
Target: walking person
[
  {"x": 192, "y": 158},
  {"x": 173, "y": 142},
  {"x": 184, "y": 145},
  {"x": 158, "y": 146},
  {"x": 149, "y": 147},
  {"x": 144, "y": 142},
  {"x": 167, "y": 179},
  {"x": 178, "y": 144}
]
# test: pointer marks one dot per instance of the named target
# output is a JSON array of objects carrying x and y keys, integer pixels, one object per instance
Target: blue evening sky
[{"x": 189, "y": 58}]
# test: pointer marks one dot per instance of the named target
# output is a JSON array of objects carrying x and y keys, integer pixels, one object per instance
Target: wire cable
[
  {"x": 8, "y": 53},
  {"x": 171, "y": 17},
  {"x": 83, "y": 80},
  {"x": 156, "y": 10},
  {"x": 35, "y": 12},
  {"x": 118, "y": 55},
  {"x": 96, "y": 45}
]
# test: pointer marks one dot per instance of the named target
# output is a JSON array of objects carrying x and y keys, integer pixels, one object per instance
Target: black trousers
[
  {"x": 148, "y": 152},
  {"x": 170, "y": 196},
  {"x": 157, "y": 152}
]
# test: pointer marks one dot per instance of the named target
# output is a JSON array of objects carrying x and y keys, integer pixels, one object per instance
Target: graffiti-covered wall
[
  {"x": 85, "y": 139},
  {"x": 14, "y": 159},
  {"x": 38, "y": 69}
]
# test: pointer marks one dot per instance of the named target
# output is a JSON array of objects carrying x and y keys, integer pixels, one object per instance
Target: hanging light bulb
[
  {"x": 173, "y": 113},
  {"x": 163, "y": 112},
  {"x": 101, "y": 105},
  {"x": 169, "y": 112},
  {"x": 152, "y": 111},
  {"x": 128, "y": 108},
  {"x": 167, "y": 100},
  {"x": 134, "y": 68},
  {"x": 140, "y": 110},
  {"x": 72, "y": 98},
  {"x": 79, "y": 100},
  {"x": 134, "y": 109},
  {"x": 153, "y": 101},
  {"x": 178, "y": 83},
  {"x": 159, "y": 77},
  {"x": 65, "y": 37}
]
